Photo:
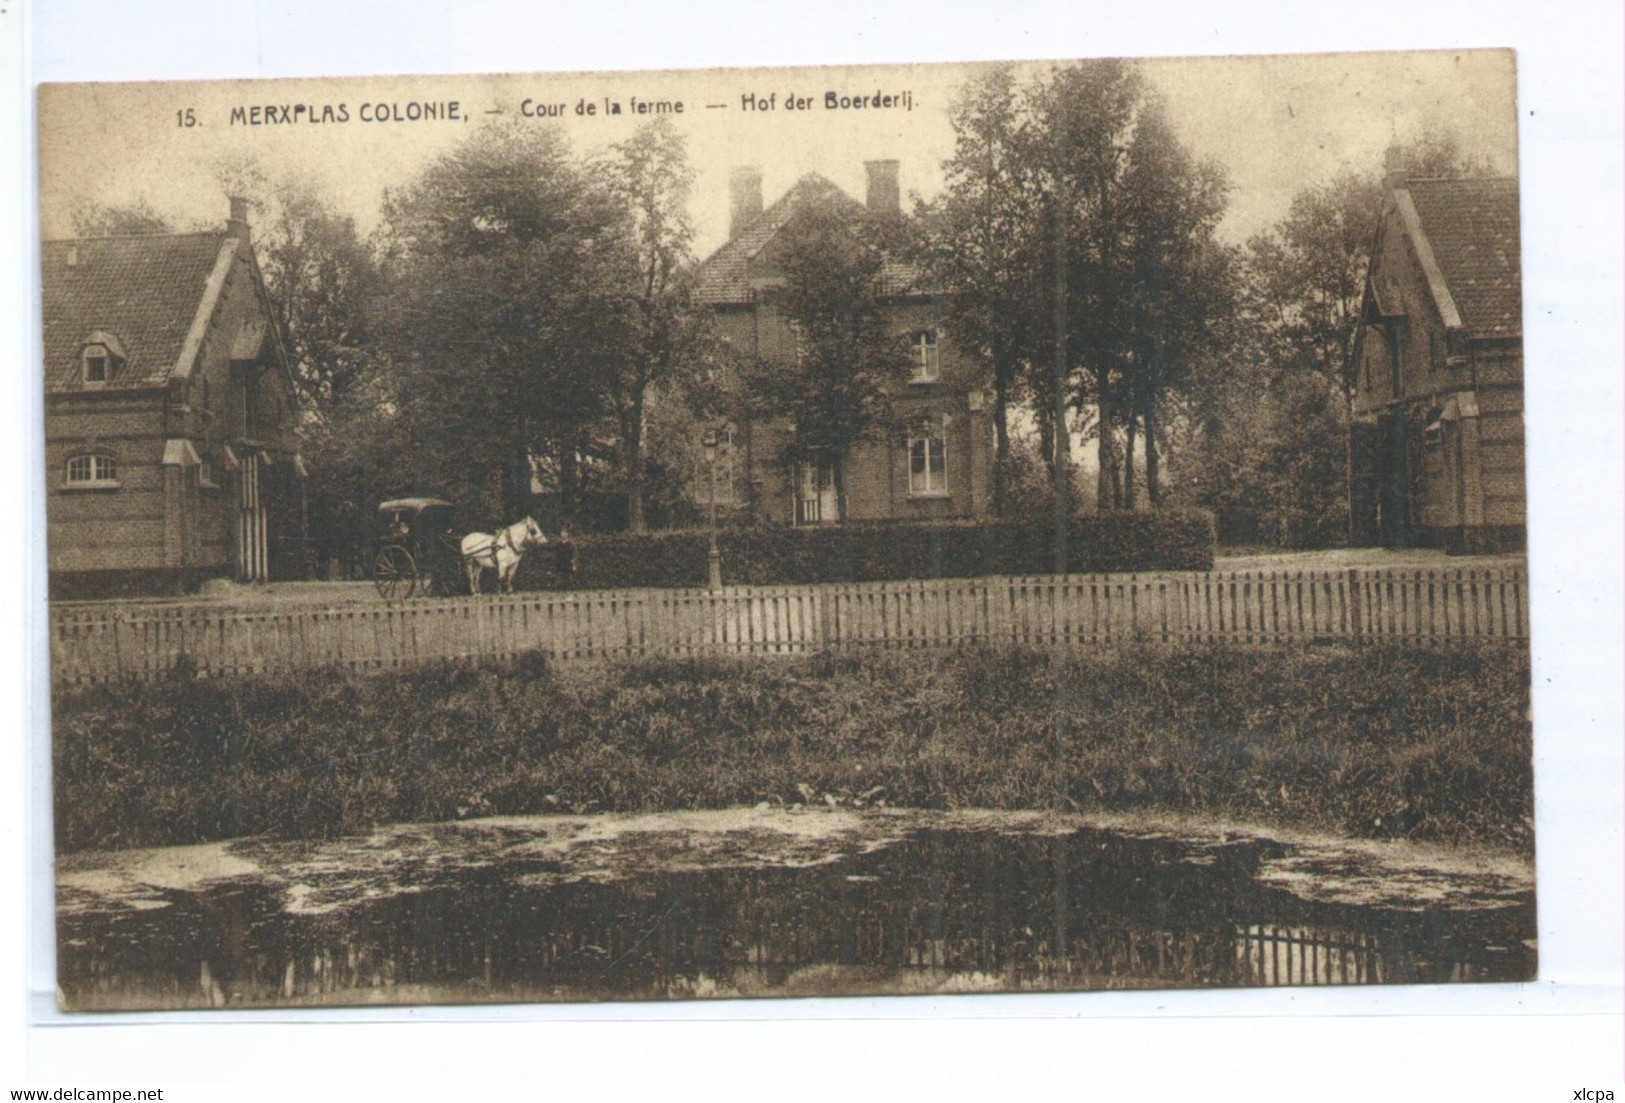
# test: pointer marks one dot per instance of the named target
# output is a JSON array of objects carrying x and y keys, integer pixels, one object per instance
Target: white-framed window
[
  {"x": 927, "y": 459},
  {"x": 927, "y": 367},
  {"x": 93, "y": 471},
  {"x": 206, "y": 474},
  {"x": 1398, "y": 331},
  {"x": 798, "y": 340},
  {"x": 718, "y": 367},
  {"x": 727, "y": 472}
]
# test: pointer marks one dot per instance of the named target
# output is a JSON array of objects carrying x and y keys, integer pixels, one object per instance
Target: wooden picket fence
[{"x": 99, "y": 641}]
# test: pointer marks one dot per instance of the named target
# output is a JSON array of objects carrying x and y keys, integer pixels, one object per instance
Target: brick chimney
[
  {"x": 884, "y": 196},
  {"x": 744, "y": 197},
  {"x": 237, "y": 225}
]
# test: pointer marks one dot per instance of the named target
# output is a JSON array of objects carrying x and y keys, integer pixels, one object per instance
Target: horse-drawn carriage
[
  {"x": 418, "y": 549},
  {"x": 420, "y": 553}
]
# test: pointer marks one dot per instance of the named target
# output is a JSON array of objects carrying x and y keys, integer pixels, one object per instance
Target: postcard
[{"x": 888, "y": 530}]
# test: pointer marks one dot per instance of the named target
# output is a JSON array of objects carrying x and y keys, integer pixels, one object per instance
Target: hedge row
[
  {"x": 1374, "y": 741},
  {"x": 1170, "y": 540}
]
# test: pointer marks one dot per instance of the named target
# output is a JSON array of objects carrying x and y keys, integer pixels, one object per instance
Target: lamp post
[{"x": 713, "y": 557}]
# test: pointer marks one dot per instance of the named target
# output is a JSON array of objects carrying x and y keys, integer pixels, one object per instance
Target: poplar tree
[
  {"x": 651, "y": 174},
  {"x": 1142, "y": 269},
  {"x": 979, "y": 242}
]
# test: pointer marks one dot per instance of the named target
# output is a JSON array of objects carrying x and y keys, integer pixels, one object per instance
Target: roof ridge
[
  {"x": 721, "y": 275},
  {"x": 1459, "y": 180},
  {"x": 132, "y": 237},
  {"x": 1465, "y": 233},
  {"x": 783, "y": 202}
]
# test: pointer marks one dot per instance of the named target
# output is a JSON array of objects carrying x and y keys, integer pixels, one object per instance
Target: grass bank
[{"x": 1373, "y": 742}]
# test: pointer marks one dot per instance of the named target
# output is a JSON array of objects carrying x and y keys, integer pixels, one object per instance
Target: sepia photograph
[{"x": 902, "y": 530}]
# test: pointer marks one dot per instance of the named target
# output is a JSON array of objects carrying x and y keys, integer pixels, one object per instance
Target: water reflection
[{"x": 940, "y": 911}]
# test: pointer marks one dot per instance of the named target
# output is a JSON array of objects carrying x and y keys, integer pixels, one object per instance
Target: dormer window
[
  {"x": 926, "y": 365},
  {"x": 99, "y": 357}
]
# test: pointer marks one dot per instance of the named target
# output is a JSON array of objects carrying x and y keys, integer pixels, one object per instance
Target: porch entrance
[{"x": 815, "y": 494}]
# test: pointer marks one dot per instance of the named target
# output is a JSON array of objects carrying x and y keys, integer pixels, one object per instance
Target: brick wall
[
  {"x": 112, "y": 528},
  {"x": 877, "y": 471},
  {"x": 1501, "y": 456}
]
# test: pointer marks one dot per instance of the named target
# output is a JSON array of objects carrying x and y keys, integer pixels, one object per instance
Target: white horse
[{"x": 500, "y": 552}]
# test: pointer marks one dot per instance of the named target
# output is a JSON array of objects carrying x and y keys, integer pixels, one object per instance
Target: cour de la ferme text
[
  {"x": 532, "y": 108},
  {"x": 749, "y": 102}
]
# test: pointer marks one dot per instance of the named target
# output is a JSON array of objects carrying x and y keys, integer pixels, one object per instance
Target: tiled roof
[
  {"x": 144, "y": 291},
  {"x": 723, "y": 276},
  {"x": 1472, "y": 226}
]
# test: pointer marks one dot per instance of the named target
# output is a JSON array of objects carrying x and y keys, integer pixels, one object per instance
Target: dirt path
[
  {"x": 1334, "y": 559},
  {"x": 271, "y": 595}
]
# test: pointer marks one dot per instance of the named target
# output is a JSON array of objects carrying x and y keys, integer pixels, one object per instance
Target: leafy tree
[
  {"x": 650, "y": 171},
  {"x": 358, "y": 453},
  {"x": 1437, "y": 153},
  {"x": 93, "y": 219},
  {"x": 324, "y": 281},
  {"x": 508, "y": 264},
  {"x": 1083, "y": 118},
  {"x": 1076, "y": 238},
  {"x": 1309, "y": 271},
  {"x": 1137, "y": 274},
  {"x": 837, "y": 390},
  {"x": 979, "y": 243},
  {"x": 322, "y": 277},
  {"x": 1177, "y": 281}
]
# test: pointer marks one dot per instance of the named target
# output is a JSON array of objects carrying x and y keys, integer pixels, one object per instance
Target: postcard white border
[{"x": 1564, "y": 1029}]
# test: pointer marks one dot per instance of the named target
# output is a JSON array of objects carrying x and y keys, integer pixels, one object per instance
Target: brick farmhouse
[
  {"x": 936, "y": 463},
  {"x": 1437, "y": 443},
  {"x": 170, "y": 416}
]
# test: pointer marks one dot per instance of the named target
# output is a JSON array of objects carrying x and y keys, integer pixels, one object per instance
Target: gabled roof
[
  {"x": 1470, "y": 230},
  {"x": 146, "y": 291},
  {"x": 724, "y": 278}
]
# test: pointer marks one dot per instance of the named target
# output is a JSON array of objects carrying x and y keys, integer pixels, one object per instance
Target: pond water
[{"x": 917, "y": 909}]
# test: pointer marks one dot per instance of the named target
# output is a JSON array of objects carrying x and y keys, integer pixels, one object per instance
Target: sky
[{"x": 1275, "y": 124}]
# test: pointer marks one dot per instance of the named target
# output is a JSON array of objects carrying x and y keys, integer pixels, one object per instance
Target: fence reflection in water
[{"x": 934, "y": 912}]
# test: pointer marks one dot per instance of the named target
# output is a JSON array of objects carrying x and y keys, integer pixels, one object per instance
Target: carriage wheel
[{"x": 395, "y": 574}]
